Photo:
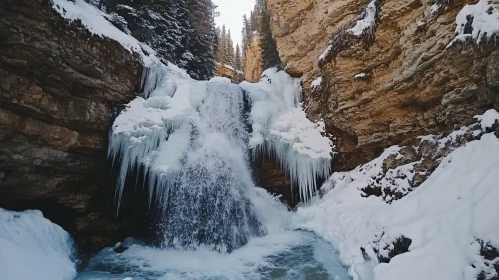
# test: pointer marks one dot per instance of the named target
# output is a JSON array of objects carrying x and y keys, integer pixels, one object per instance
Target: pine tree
[
  {"x": 199, "y": 57},
  {"x": 237, "y": 59},
  {"x": 230, "y": 50}
]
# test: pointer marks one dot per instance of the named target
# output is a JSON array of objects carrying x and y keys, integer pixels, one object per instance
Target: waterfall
[{"x": 190, "y": 138}]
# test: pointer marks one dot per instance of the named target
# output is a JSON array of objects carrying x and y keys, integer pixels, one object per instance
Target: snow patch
[
  {"x": 326, "y": 52},
  {"x": 316, "y": 83},
  {"x": 488, "y": 119},
  {"x": 435, "y": 8},
  {"x": 360, "y": 75}
]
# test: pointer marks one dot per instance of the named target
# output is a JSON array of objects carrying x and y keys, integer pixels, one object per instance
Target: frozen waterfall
[{"x": 191, "y": 140}]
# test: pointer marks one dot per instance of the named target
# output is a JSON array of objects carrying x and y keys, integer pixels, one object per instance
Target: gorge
[{"x": 370, "y": 153}]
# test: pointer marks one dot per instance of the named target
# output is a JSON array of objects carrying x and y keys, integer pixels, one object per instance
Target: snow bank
[
  {"x": 367, "y": 21},
  {"x": 446, "y": 217},
  {"x": 96, "y": 22},
  {"x": 31, "y": 247},
  {"x": 281, "y": 128},
  {"x": 482, "y": 18}
]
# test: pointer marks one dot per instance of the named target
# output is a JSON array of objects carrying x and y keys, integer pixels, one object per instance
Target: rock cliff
[
  {"x": 391, "y": 82},
  {"x": 60, "y": 88},
  {"x": 253, "y": 65}
]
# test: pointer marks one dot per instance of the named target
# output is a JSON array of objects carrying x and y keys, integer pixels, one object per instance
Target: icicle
[{"x": 282, "y": 130}]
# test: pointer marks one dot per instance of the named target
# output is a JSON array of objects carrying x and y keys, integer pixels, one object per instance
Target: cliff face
[
  {"x": 390, "y": 84},
  {"x": 253, "y": 68},
  {"x": 59, "y": 88}
]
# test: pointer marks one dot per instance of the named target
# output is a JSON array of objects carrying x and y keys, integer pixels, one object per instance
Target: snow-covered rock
[{"x": 478, "y": 22}]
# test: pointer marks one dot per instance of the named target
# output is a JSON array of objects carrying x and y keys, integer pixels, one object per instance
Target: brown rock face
[
  {"x": 412, "y": 86},
  {"x": 253, "y": 67},
  {"x": 233, "y": 75},
  {"x": 59, "y": 87}
]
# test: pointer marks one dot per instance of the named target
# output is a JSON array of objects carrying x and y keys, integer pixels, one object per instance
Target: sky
[{"x": 231, "y": 14}]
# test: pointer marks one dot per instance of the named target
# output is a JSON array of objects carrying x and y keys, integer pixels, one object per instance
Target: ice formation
[
  {"x": 482, "y": 20},
  {"x": 31, "y": 247},
  {"x": 446, "y": 217},
  {"x": 281, "y": 129}
]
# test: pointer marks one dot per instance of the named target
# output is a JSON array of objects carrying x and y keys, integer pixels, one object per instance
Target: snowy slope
[
  {"x": 96, "y": 22},
  {"x": 447, "y": 218},
  {"x": 31, "y": 247}
]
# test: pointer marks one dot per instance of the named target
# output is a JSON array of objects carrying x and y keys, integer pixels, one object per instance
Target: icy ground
[{"x": 447, "y": 217}]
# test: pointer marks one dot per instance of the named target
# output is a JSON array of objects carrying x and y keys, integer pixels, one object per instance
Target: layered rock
[
  {"x": 253, "y": 65},
  {"x": 391, "y": 83},
  {"x": 59, "y": 90}
]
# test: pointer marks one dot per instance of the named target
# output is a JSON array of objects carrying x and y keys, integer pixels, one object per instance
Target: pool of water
[{"x": 282, "y": 255}]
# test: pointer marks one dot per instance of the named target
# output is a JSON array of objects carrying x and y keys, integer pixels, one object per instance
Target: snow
[
  {"x": 96, "y": 22},
  {"x": 368, "y": 21},
  {"x": 360, "y": 75},
  {"x": 34, "y": 248},
  {"x": 444, "y": 217},
  {"x": 221, "y": 80},
  {"x": 326, "y": 52},
  {"x": 435, "y": 8},
  {"x": 485, "y": 22},
  {"x": 488, "y": 119},
  {"x": 316, "y": 83},
  {"x": 420, "y": 23},
  {"x": 280, "y": 128}
]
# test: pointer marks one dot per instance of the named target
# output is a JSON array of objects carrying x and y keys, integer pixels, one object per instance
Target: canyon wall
[
  {"x": 60, "y": 88},
  {"x": 253, "y": 64},
  {"x": 391, "y": 83}
]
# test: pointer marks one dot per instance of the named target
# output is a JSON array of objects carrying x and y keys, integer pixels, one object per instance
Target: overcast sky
[{"x": 231, "y": 14}]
